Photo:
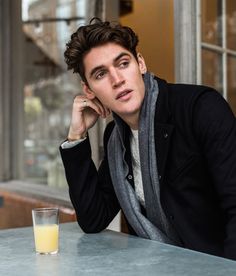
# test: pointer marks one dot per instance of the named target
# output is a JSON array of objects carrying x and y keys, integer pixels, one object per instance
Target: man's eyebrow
[
  {"x": 121, "y": 55},
  {"x": 95, "y": 69}
]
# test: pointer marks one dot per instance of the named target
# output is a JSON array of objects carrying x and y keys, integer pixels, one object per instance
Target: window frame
[
  {"x": 11, "y": 90},
  {"x": 185, "y": 32},
  {"x": 223, "y": 50}
]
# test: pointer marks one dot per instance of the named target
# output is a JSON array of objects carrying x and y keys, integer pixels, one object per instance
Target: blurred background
[{"x": 181, "y": 41}]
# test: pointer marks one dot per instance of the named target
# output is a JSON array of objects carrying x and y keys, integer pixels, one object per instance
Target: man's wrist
[
  {"x": 68, "y": 145},
  {"x": 76, "y": 138}
]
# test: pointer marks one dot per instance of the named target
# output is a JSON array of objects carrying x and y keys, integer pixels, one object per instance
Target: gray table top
[{"x": 106, "y": 253}]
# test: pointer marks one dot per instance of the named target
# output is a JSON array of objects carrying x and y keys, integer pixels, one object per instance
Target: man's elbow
[{"x": 91, "y": 228}]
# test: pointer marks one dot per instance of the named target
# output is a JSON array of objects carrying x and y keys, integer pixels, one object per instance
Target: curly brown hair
[{"x": 97, "y": 33}]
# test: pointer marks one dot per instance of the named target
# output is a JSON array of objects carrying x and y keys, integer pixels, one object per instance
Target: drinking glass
[{"x": 46, "y": 230}]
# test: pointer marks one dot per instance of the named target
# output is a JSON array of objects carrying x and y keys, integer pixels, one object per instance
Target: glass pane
[
  {"x": 48, "y": 88},
  {"x": 211, "y": 11},
  {"x": 231, "y": 93},
  {"x": 212, "y": 69},
  {"x": 231, "y": 24}
]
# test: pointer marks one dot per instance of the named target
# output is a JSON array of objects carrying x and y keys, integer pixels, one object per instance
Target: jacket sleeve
[
  {"x": 215, "y": 128},
  {"x": 91, "y": 190}
]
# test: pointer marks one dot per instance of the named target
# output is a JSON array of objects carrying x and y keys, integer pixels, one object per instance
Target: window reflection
[
  {"x": 212, "y": 69},
  {"x": 231, "y": 24},
  {"x": 211, "y": 12},
  {"x": 232, "y": 82},
  {"x": 212, "y": 21},
  {"x": 48, "y": 88}
]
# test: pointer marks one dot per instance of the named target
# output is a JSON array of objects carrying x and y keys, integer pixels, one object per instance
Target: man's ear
[
  {"x": 87, "y": 91},
  {"x": 142, "y": 64}
]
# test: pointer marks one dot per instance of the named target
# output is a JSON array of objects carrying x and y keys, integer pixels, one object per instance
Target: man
[{"x": 170, "y": 153}]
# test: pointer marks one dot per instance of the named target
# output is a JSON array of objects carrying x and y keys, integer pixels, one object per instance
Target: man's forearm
[{"x": 91, "y": 192}]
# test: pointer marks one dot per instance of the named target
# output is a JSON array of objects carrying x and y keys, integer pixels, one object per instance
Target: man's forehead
[
  {"x": 104, "y": 54},
  {"x": 109, "y": 51}
]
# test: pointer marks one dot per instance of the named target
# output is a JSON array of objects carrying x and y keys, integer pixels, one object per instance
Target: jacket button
[
  {"x": 130, "y": 177},
  {"x": 159, "y": 177},
  {"x": 171, "y": 217},
  {"x": 165, "y": 135}
]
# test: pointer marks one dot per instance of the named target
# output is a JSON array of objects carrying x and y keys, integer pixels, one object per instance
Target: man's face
[{"x": 114, "y": 76}]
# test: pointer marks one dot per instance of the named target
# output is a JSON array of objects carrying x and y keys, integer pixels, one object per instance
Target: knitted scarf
[{"x": 156, "y": 225}]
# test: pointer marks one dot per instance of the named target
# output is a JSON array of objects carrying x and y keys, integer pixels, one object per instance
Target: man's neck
[{"x": 132, "y": 121}]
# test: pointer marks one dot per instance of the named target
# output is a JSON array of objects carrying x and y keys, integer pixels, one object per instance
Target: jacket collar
[
  {"x": 163, "y": 129},
  {"x": 163, "y": 113}
]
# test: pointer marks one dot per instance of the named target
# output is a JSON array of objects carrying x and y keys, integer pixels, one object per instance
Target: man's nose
[{"x": 117, "y": 78}]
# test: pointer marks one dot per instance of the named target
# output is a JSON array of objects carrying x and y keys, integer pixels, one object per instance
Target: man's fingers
[
  {"x": 82, "y": 103},
  {"x": 85, "y": 103}
]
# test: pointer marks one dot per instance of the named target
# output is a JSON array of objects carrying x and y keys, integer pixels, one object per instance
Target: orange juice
[{"x": 46, "y": 238}]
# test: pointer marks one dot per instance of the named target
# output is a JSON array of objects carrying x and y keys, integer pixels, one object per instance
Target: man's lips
[{"x": 123, "y": 94}]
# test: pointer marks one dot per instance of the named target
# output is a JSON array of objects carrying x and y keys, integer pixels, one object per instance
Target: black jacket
[{"x": 195, "y": 133}]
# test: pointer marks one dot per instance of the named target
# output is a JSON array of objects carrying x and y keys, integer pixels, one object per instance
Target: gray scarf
[{"x": 155, "y": 226}]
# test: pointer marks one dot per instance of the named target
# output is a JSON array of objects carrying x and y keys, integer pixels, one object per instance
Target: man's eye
[
  {"x": 124, "y": 64},
  {"x": 100, "y": 74}
]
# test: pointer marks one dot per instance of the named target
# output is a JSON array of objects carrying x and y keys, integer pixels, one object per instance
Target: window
[
  {"x": 217, "y": 40},
  {"x": 49, "y": 88}
]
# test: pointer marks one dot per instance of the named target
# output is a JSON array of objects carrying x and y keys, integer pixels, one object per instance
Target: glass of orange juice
[{"x": 46, "y": 230}]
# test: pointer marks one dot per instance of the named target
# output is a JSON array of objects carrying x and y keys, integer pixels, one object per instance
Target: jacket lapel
[{"x": 163, "y": 130}]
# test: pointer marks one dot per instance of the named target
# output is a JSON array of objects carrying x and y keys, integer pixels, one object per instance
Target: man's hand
[{"x": 85, "y": 113}]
